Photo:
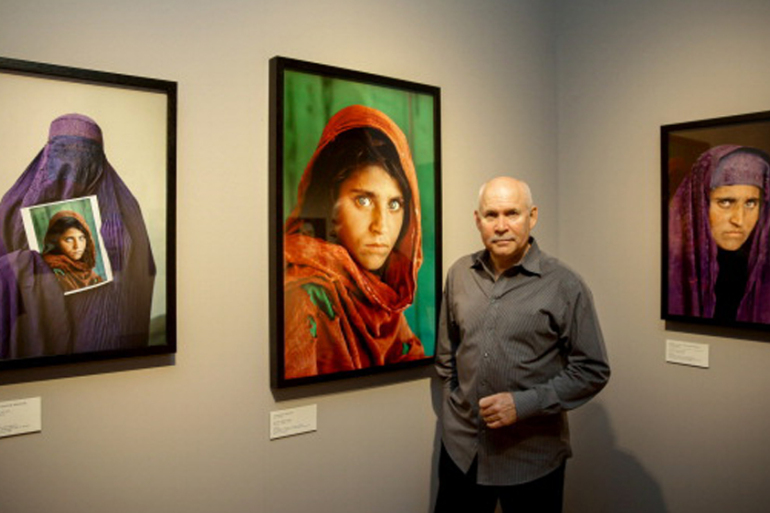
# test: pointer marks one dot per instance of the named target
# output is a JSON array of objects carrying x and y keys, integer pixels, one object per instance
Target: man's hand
[{"x": 498, "y": 410}]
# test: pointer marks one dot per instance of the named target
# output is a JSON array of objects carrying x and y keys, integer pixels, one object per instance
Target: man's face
[
  {"x": 505, "y": 219},
  {"x": 733, "y": 214}
]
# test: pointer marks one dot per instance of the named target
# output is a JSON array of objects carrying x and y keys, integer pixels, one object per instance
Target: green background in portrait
[{"x": 309, "y": 102}]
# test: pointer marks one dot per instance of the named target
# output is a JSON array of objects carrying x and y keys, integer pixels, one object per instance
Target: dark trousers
[{"x": 459, "y": 493}]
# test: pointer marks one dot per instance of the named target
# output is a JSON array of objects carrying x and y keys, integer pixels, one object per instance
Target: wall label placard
[
  {"x": 687, "y": 353},
  {"x": 293, "y": 421},
  {"x": 20, "y": 417}
]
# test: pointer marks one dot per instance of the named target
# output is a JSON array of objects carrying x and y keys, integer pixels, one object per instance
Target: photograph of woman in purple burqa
[
  {"x": 718, "y": 238},
  {"x": 36, "y": 318}
]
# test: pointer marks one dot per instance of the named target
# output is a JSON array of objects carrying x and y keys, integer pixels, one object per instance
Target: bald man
[{"x": 519, "y": 345}]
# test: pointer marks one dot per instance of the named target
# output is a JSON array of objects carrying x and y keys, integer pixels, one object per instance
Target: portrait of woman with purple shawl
[
  {"x": 36, "y": 318},
  {"x": 718, "y": 229}
]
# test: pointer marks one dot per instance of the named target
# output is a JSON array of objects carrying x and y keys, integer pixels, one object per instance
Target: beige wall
[
  {"x": 570, "y": 95},
  {"x": 193, "y": 436},
  {"x": 661, "y": 438}
]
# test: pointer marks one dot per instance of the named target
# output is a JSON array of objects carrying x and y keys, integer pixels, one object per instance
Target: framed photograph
[
  {"x": 716, "y": 221},
  {"x": 355, "y": 232},
  {"x": 66, "y": 234},
  {"x": 87, "y": 245}
]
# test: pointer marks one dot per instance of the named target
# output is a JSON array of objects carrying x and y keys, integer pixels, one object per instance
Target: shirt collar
[
  {"x": 530, "y": 264},
  {"x": 533, "y": 258}
]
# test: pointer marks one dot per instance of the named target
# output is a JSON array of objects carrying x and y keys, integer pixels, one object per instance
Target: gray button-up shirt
[{"x": 533, "y": 332}]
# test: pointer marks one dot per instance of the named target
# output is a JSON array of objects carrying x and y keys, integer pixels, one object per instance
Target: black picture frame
[
  {"x": 304, "y": 96},
  {"x": 707, "y": 171},
  {"x": 127, "y": 161}
]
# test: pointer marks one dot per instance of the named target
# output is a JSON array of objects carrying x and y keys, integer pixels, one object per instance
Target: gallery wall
[
  {"x": 568, "y": 95},
  {"x": 662, "y": 437},
  {"x": 190, "y": 433}
]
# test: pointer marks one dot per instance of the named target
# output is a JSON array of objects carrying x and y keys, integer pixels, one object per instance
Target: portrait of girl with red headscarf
[
  {"x": 352, "y": 250},
  {"x": 70, "y": 251}
]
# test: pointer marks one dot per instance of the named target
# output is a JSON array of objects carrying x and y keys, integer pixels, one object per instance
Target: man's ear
[
  {"x": 477, "y": 218},
  {"x": 532, "y": 217}
]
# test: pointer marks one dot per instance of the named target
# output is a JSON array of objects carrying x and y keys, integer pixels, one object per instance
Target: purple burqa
[
  {"x": 693, "y": 266},
  {"x": 36, "y": 319}
]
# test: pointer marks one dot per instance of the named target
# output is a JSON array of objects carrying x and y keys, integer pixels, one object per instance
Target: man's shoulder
[
  {"x": 465, "y": 262},
  {"x": 557, "y": 269}
]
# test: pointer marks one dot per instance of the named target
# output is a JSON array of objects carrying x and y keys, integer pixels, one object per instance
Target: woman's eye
[
  {"x": 395, "y": 205},
  {"x": 752, "y": 204},
  {"x": 363, "y": 201}
]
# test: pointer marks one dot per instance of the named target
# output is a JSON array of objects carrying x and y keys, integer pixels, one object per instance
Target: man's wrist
[{"x": 526, "y": 402}]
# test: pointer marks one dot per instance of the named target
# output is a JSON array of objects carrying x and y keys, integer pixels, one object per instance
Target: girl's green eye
[{"x": 363, "y": 201}]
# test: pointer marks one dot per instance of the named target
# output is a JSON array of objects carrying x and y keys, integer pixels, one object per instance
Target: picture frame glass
[
  {"x": 382, "y": 299},
  {"x": 716, "y": 220},
  {"x": 98, "y": 150}
]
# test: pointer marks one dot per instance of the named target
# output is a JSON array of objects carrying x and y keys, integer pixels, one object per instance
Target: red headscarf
[{"x": 366, "y": 326}]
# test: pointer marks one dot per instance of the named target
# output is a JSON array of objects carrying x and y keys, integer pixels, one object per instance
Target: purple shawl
[
  {"x": 693, "y": 266},
  {"x": 36, "y": 319}
]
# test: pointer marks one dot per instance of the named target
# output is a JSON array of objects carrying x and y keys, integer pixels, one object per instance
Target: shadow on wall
[
  {"x": 435, "y": 391},
  {"x": 601, "y": 478}
]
